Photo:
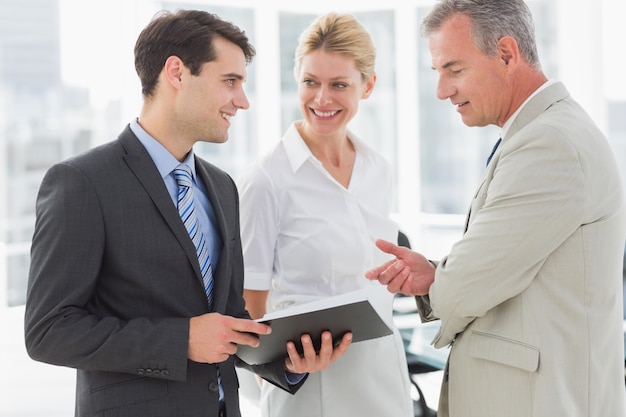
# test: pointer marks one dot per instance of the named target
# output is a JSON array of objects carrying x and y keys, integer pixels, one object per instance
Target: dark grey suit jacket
[{"x": 114, "y": 279}]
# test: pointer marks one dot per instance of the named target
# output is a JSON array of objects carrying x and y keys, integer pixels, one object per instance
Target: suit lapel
[
  {"x": 537, "y": 105},
  {"x": 144, "y": 169},
  {"x": 220, "y": 199}
]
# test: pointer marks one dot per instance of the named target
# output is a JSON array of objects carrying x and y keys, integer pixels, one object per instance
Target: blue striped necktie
[{"x": 182, "y": 173}]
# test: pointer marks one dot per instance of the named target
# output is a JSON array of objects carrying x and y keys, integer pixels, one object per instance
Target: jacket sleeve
[
  {"x": 69, "y": 316},
  {"x": 528, "y": 205},
  {"x": 274, "y": 373}
]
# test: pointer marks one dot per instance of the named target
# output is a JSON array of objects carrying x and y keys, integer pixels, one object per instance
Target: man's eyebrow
[
  {"x": 234, "y": 75},
  {"x": 448, "y": 65}
]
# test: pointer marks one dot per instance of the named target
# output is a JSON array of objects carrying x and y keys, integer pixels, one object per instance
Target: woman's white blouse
[{"x": 304, "y": 235}]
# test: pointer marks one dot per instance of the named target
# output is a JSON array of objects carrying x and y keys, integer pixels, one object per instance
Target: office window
[
  {"x": 375, "y": 122},
  {"x": 453, "y": 156},
  {"x": 76, "y": 88},
  {"x": 67, "y": 84}
]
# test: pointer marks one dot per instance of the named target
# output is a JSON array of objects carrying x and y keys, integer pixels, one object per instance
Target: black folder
[{"x": 358, "y": 317}]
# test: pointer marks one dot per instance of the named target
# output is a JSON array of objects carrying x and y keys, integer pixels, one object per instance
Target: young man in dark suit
[{"x": 116, "y": 287}]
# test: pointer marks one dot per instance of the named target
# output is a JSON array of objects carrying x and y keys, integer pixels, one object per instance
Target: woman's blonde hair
[{"x": 340, "y": 33}]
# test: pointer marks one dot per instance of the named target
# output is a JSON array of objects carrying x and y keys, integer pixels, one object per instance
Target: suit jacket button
[
  {"x": 140, "y": 371},
  {"x": 165, "y": 372},
  {"x": 213, "y": 387}
]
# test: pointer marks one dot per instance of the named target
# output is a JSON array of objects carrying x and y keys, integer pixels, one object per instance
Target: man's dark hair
[{"x": 187, "y": 34}]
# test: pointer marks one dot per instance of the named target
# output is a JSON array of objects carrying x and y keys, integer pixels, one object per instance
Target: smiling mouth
[{"x": 325, "y": 113}]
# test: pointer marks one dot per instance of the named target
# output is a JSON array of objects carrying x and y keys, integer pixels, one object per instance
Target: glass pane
[
  {"x": 241, "y": 147},
  {"x": 375, "y": 122},
  {"x": 453, "y": 155}
]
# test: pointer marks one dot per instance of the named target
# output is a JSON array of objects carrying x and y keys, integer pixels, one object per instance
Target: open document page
[{"x": 349, "y": 312}]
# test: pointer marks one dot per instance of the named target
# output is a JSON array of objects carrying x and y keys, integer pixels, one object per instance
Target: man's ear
[
  {"x": 508, "y": 52},
  {"x": 173, "y": 71}
]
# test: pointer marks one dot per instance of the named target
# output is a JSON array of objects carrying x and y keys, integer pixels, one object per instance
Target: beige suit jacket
[{"x": 531, "y": 297}]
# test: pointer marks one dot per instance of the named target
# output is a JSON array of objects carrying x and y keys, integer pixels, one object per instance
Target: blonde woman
[{"x": 311, "y": 210}]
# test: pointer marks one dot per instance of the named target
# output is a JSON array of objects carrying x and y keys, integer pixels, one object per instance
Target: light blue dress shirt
[{"x": 166, "y": 163}]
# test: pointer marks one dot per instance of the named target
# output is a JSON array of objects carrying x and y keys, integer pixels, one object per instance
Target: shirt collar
[
  {"x": 163, "y": 159},
  {"x": 509, "y": 123},
  {"x": 295, "y": 148},
  {"x": 298, "y": 152}
]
